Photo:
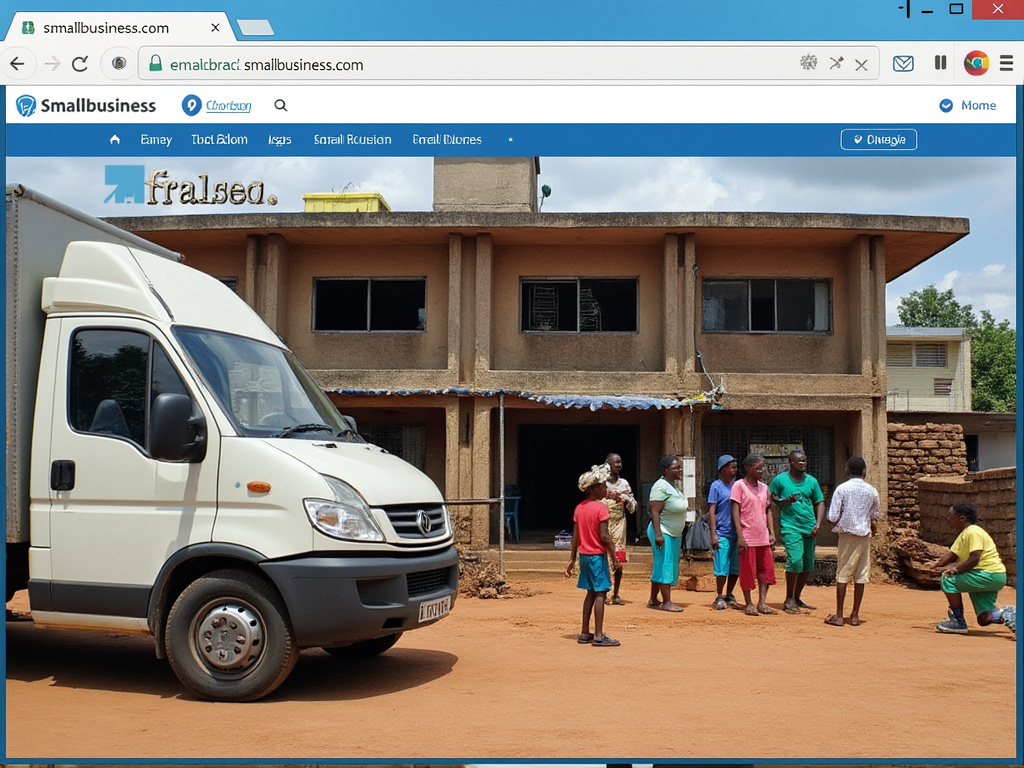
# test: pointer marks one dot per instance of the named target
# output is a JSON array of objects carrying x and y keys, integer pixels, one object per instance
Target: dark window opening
[
  {"x": 377, "y": 304},
  {"x": 788, "y": 306},
  {"x": 585, "y": 305}
]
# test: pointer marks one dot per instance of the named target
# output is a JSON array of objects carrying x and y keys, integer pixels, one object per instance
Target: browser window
[{"x": 507, "y": 245}]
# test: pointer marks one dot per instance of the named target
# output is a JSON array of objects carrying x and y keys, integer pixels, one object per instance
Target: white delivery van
[{"x": 183, "y": 476}]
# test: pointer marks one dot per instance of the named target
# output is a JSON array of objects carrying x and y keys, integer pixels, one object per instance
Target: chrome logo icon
[{"x": 976, "y": 63}]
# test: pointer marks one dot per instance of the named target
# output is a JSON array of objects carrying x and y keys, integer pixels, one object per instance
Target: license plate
[{"x": 435, "y": 609}]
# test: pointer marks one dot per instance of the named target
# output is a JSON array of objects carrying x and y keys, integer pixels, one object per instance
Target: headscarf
[{"x": 597, "y": 474}]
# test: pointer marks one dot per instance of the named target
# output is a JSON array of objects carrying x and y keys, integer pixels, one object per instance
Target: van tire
[
  {"x": 365, "y": 649},
  {"x": 218, "y": 667}
]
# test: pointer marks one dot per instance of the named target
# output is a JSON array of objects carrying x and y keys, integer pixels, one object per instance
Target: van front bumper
[{"x": 335, "y": 600}]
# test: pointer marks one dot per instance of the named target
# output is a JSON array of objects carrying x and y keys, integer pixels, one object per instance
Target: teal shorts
[
  {"x": 726, "y": 557},
  {"x": 982, "y": 587},
  {"x": 594, "y": 574},
  {"x": 799, "y": 551}
]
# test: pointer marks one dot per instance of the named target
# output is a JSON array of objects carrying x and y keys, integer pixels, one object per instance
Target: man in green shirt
[{"x": 801, "y": 509}]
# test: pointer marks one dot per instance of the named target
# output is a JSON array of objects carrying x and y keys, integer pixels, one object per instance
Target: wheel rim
[{"x": 228, "y": 638}]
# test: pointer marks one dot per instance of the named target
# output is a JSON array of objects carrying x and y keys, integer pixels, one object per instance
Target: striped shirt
[{"x": 854, "y": 505}]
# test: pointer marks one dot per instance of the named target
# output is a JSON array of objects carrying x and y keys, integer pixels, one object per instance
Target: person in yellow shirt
[{"x": 973, "y": 566}]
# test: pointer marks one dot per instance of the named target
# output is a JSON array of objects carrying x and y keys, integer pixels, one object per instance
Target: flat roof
[
  {"x": 900, "y": 331},
  {"x": 909, "y": 240}
]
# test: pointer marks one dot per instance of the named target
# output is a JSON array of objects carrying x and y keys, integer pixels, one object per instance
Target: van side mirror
[{"x": 174, "y": 434}]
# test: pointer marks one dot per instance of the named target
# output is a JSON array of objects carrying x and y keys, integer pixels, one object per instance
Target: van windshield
[{"x": 262, "y": 388}]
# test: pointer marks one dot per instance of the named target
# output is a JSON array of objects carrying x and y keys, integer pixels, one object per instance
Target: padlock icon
[{"x": 155, "y": 65}]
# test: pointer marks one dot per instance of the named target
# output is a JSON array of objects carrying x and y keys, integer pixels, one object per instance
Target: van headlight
[{"x": 346, "y": 516}]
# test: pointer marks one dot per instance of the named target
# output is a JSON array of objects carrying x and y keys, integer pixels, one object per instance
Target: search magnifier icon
[{"x": 279, "y": 104}]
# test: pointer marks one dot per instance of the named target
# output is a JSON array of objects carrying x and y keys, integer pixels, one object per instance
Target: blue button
[
  {"x": 878, "y": 139},
  {"x": 946, "y": 105}
]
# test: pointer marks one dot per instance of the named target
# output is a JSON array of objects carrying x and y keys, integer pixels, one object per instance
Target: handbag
[{"x": 698, "y": 535}]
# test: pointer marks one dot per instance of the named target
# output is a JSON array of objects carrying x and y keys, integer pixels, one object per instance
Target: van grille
[
  {"x": 425, "y": 582},
  {"x": 403, "y": 520}
]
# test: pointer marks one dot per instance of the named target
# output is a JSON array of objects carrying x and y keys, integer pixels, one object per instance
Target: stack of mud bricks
[
  {"x": 919, "y": 452},
  {"x": 994, "y": 494}
]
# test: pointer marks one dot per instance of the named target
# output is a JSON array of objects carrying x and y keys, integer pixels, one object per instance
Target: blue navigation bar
[{"x": 504, "y": 140}]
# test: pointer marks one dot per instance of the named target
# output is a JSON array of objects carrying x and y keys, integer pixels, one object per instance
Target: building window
[
  {"x": 580, "y": 305},
  {"x": 369, "y": 304},
  {"x": 777, "y": 306},
  {"x": 942, "y": 387},
  {"x": 905, "y": 354},
  {"x": 230, "y": 282}
]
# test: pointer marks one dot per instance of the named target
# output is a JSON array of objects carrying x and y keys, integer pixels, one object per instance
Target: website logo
[
  {"x": 976, "y": 63},
  {"x": 191, "y": 105},
  {"x": 132, "y": 184},
  {"x": 28, "y": 28},
  {"x": 26, "y": 105}
]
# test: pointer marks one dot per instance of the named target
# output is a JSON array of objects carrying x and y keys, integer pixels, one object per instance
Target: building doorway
[{"x": 551, "y": 459}]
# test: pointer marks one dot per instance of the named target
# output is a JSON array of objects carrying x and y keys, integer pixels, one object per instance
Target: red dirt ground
[{"x": 505, "y": 678}]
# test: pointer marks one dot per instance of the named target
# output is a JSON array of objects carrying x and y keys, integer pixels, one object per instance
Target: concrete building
[
  {"x": 688, "y": 333},
  {"x": 929, "y": 371}
]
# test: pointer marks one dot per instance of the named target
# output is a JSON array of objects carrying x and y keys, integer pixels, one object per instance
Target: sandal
[
  {"x": 719, "y": 604},
  {"x": 671, "y": 607},
  {"x": 791, "y": 608},
  {"x": 766, "y": 610},
  {"x": 606, "y": 642},
  {"x": 835, "y": 621},
  {"x": 750, "y": 610},
  {"x": 616, "y": 600},
  {"x": 654, "y": 604},
  {"x": 585, "y": 638},
  {"x": 804, "y": 606}
]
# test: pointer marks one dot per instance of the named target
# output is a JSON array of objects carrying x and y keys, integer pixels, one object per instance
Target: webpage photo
[{"x": 361, "y": 371}]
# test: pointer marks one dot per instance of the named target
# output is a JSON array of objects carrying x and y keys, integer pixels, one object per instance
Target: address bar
[{"x": 510, "y": 62}]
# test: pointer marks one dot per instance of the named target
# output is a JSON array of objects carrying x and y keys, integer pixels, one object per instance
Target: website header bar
[{"x": 338, "y": 104}]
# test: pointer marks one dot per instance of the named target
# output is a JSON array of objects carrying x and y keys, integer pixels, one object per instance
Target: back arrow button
[{"x": 22, "y": 63}]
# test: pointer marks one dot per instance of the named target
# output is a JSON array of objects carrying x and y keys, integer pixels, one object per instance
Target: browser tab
[{"x": 71, "y": 28}]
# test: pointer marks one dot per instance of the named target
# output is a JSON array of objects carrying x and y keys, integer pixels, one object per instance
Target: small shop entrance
[{"x": 551, "y": 459}]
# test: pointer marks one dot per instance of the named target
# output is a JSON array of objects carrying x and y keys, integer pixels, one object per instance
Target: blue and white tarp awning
[{"x": 592, "y": 402}]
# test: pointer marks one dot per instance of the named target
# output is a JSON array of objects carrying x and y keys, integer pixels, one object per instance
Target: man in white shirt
[{"x": 854, "y": 510}]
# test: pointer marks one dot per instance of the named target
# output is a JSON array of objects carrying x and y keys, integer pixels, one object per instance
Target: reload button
[{"x": 876, "y": 139}]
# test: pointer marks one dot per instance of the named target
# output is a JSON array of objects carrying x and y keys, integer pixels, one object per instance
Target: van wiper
[{"x": 305, "y": 428}]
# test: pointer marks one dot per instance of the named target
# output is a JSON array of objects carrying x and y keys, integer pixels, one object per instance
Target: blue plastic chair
[{"x": 512, "y": 512}]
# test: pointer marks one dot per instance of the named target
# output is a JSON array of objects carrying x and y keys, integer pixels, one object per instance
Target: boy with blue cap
[{"x": 723, "y": 535}]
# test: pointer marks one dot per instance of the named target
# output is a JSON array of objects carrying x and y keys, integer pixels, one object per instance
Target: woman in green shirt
[{"x": 665, "y": 532}]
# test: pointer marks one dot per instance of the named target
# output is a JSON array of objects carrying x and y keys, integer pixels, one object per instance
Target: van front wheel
[{"x": 228, "y": 637}]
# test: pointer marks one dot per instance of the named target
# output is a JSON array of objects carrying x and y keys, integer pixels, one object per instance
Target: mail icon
[{"x": 903, "y": 63}]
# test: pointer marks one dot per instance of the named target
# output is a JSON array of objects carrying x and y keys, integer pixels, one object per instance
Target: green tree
[
  {"x": 928, "y": 308},
  {"x": 993, "y": 345},
  {"x": 993, "y": 365}
]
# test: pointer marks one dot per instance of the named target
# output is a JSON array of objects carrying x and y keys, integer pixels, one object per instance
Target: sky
[{"x": 980, "y": 268}]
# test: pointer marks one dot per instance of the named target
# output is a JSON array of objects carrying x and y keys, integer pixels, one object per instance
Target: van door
[{"x": 125, "y": 513}]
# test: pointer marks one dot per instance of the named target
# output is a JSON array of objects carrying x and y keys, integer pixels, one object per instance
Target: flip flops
[
  {"x": 585, "y": 638},
  {"x": 606, "y": 642}
]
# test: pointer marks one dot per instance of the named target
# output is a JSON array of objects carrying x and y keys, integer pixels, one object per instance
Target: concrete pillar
[
  {"x": 484, "y": 263},
  {"x": 454, "y": 302},
  {"x": 670, "y": 286},
  {"x": 252, "y": 251},
  {"x": 686, "y": 274},
  {"x": 482, "y": 452}
]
